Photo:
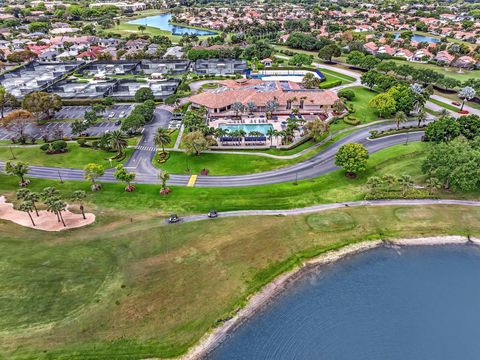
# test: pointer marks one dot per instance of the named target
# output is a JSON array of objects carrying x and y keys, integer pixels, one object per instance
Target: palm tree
[
  {"x": 164, "y": 177},
  {"x": 27, "y": 206},
  {"x": 237, "y": 107},
  {"x": 390, "y": 180},
  {"x": 49, "y": 192},
  {"x": 406, "y": 183},
  {"x": 58, "y": 206},
  {"x": 422, "y": 116},
  {"x": 255, "y": 133},
  {"x": 433, "y": 184},
  {"x": 400, "y": 117},
  {"x": 271, "y": 133},
  {"x": 221, "y": 132},
  {"x": 79, "y": 196},
  {"x": 251, "y": 106},
  {"x": 374, "y": 182},
  {"x": 28, "y": 195},
  {"x": 118, "y": 141},
  {"x": 161, "y": 138}
]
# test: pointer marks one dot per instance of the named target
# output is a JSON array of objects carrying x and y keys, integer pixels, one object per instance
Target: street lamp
[
  {"x": 13, "y": 155},
  {"x": 186, "y": 160}
]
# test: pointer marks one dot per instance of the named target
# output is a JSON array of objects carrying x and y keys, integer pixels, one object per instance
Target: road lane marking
[{"x": 192, "y": 181}]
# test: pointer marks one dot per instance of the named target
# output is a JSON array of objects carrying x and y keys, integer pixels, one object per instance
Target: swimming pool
[{"x": 248, "y": 128}]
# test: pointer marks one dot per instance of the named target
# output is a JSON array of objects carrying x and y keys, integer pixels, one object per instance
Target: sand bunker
[{"x": 47, "y": 221}]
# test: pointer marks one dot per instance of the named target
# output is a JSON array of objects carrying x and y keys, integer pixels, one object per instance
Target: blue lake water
[
  {"x": 163, "y": 22},
  {"x": 421, "y": 38},
  {"x": 411, "y": 303}
]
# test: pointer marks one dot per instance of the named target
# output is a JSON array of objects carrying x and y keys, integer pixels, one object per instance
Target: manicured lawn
[
  {"x": 173, "y": 139},
  {"x": 76, "y": 157},
  {"x": 219, "y": 164},
  {"x": 448, "y": 72},
  {"x": 126, "y": 29},
  {"x": 445, "y": 105},
  {"x": 333, "y": 187},
  {"x": 360, "y": 103},
  {"x": 134, "y": 290},
  {"x": 336, "y": 75}
]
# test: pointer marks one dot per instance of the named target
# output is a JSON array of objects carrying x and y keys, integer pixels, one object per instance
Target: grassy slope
[
  {"x": 76, "y": 157},
  {"x": 333, "y": 187},
  {"x": 128, "y": 291},
  {"x": 360, "y": 103}
]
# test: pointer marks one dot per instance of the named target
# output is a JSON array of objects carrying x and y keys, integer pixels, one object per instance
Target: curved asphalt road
[{"x": 319, "y": 164}]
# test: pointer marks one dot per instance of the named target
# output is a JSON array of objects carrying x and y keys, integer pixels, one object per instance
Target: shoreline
[{"x": 260, "y": 300}]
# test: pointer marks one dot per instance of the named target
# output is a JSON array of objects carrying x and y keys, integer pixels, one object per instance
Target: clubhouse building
[{"x": 287, "y": 95}]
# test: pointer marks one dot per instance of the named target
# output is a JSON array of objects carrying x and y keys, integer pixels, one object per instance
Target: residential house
[{"x": 444, "y": 57}]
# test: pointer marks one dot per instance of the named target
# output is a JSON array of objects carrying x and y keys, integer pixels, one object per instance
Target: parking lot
[
  {"x": 113, "y": 112},
  {"x": 55, "y": 128}
]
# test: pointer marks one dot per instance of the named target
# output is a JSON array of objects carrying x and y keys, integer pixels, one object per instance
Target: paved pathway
[{"x": 324, "y": 207}]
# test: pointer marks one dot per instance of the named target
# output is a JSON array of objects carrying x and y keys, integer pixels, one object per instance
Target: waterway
[
  {"x": 387, "y": 303},
  {"x": 162, "y": 22}
]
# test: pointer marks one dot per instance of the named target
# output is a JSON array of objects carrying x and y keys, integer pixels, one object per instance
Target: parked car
[
  {"x": 212, "y": 214},
  {"x": 118, "y": 122},
  {"x": 111, "y": 115},
  {"x": 173, "y": 219},
  {"x": 456, "y": 103}
]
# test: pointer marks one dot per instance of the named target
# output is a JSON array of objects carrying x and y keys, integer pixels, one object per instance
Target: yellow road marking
[{"x": 192, "y": 181}]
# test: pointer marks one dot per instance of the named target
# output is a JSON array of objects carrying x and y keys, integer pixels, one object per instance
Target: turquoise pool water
[
  {"x": 162, "y": 22},
  {"x": 248, "y": 128}
]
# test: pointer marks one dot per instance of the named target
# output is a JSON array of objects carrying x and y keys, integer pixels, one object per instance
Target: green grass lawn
[
  {"x": 445, "y": 105},
  {"x": 360, "y": 103},
  {"x": 173, "y": 139},
  {"x": 332, "y": 187},
  {"x": 448, "y": 72},
  {"x": 454, "y": 97},
  {"x": 76, "y": 157},
  {"x": 133, "y": 290},
  {"x": 126, "y": 29}
]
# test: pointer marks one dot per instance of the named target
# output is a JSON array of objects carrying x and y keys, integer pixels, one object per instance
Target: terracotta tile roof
[{"x": 226, "y": 97}]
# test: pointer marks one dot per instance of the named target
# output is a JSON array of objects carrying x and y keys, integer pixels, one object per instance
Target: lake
[
  {"x": 421, "y": 38},
  {"x": 162, "y": 22},
  {"x": 405, "y": 303}
]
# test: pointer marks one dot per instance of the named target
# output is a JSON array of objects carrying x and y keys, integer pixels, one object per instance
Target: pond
[
  {"x": 421, "y": 38},
  {"x": 388, "y": 303},
  {"x": 162, "y": 22}
]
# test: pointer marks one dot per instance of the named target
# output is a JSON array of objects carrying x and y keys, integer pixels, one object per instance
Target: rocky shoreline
[{"x": 269, "y": 292}]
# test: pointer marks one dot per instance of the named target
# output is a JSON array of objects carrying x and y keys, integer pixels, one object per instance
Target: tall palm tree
[
  {"x": 422, "y": 116},
  {"x": 118, "y": 141},
  {"x": 28, "y": 195},
  {"x": 390, "y": 180},
  {"x": 271, "y": 133},
  {"x": 433, "y": 184},
  {"x": 27, "y": 206},
  {"x": 221, "y": 132},
  {"x": 400, "y": 117},
  {"x": 161, "y": 138},
  {"x": 79, "y": 196},
  {"x": 58, "y": 206},
  {"x": 374, "y": 182},
  {"x": 406, "y": 183}
]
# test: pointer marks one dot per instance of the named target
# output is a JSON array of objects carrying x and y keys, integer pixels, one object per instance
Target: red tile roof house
[
  {"x": 465, "y": 62},
  {"x": 371, "y": 47},
  {"x": 405, "y": 53},
  {"x": 443, "y": 57},
  {"x": 218, "y": 102}
]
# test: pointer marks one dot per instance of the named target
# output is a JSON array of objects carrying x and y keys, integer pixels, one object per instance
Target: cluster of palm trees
[
  {"x": 50, "y": 197},
  {"x": 390, "y": 182}
]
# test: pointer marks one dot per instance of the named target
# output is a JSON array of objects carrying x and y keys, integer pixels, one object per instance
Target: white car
[{"x": 112, "y": 115}]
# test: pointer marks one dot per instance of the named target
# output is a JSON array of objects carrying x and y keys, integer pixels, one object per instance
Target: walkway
[{"x": 325, "y": 207}]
